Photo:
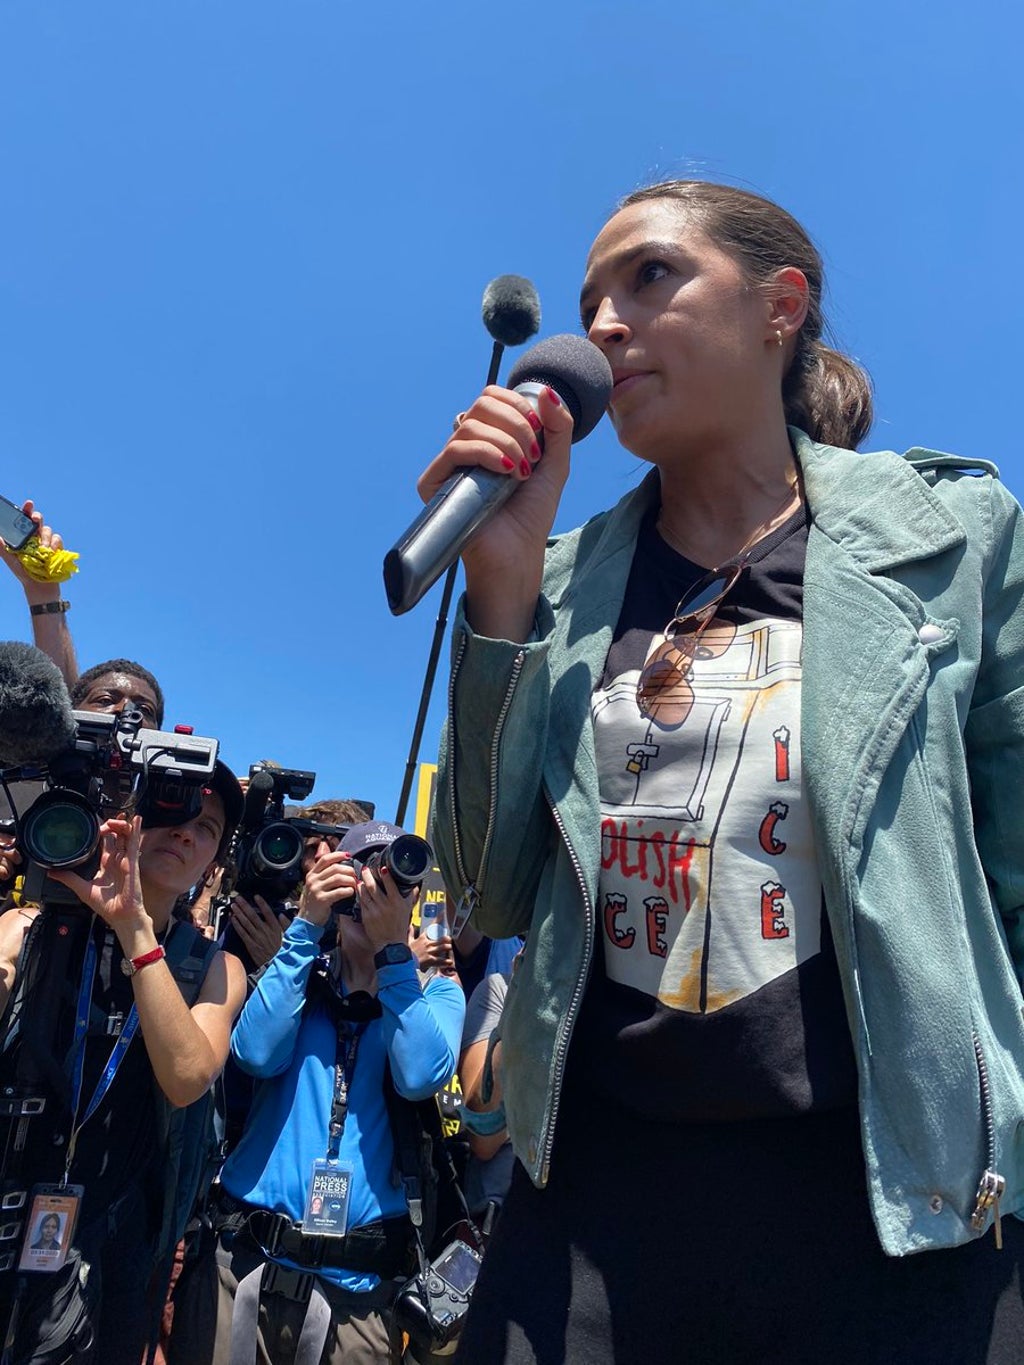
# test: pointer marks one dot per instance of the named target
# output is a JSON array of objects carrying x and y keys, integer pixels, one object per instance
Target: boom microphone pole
[{"x": 511, "y": 314}]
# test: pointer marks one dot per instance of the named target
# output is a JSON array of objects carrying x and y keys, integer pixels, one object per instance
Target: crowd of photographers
[{"x": 223, "y": 1046}]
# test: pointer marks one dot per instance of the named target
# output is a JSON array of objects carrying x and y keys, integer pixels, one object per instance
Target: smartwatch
[{"x": 391, "y": 954}]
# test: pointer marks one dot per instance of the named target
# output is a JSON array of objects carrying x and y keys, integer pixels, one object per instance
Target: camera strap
[{"x": 117, "y": 1053}]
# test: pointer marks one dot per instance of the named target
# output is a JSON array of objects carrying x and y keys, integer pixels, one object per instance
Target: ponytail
[{"x": 827, "y": 395}]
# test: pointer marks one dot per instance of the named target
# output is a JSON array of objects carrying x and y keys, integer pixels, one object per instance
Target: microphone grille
[
  {"x": 577, "y": 371},
  {"x": 511, "y": 310}
]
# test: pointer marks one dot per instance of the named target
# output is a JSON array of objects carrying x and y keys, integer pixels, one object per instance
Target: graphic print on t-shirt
[{"x": 709, "y": 888}]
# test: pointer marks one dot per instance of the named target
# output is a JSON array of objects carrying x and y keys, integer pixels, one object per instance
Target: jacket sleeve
[
  {"x": 491, "y": 823},
  {"x": 422, "y": 1029},
  {"x": 263, "y": 1040},
  {"x": 995, "y": 724}
]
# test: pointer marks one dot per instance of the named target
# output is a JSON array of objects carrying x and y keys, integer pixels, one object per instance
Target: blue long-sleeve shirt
[{"x": 294, "y": 1056}]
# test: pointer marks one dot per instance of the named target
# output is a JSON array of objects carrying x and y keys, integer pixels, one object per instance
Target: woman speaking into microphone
[{"x": 743, "y": 756}]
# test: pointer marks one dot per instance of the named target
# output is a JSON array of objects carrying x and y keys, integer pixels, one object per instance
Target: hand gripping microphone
[{"x": 581, "y": 376}]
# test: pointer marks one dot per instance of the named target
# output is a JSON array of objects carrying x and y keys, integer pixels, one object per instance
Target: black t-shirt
[{"x": 715, "y": 993}]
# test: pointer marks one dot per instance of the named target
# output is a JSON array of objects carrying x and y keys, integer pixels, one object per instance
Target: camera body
[
  {"x": 114, "y": 765},
  {"x": 432, "y": 1307},
  {"x": 266, "y": 853}
]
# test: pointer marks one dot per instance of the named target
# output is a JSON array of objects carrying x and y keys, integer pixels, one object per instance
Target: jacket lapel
[{"x": 866, "y": 665}]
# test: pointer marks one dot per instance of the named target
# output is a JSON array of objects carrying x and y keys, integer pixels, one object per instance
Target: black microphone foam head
[
  {"x": 577, "y": 371},
  {"x": 511, "y": 310},
  {"x": 36, "y": 720}
]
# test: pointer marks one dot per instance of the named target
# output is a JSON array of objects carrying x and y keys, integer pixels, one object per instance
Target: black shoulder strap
[
  {"x": 189, "y": 955},
  {"x": 417, "y": 1129},
  {"x": 414, "y": 1146}
]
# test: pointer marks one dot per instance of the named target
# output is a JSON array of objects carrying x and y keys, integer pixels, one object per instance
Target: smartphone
[{"x": 15, "y": 527}]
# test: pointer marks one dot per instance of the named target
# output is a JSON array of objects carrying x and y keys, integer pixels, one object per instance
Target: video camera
[
  {"x": 113, "y": 765},
  {"x": 266, "y": 854}
]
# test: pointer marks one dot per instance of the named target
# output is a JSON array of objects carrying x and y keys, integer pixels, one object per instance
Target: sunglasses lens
[
  {"x": 706, "y": 592},
  {"x": 663, "y": 691}
]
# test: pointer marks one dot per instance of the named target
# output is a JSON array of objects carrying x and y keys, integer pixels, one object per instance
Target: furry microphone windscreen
[
  {"x": 577, "y": 371},
  {"x": 511, "y": 310},
  {"x": 36, "y": 719}
]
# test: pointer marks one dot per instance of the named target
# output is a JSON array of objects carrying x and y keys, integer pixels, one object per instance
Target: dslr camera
[
  {"x": 432, "y": 1306},
  {"x": 377, "y": 844},
  {"x": 113, "y": 766}
]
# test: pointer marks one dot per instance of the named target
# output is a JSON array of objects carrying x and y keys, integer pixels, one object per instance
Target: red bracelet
[{"x": 131, "y": 965}]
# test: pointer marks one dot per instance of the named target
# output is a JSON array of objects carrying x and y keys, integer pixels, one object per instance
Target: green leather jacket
[{"x": 913, "y": 756}]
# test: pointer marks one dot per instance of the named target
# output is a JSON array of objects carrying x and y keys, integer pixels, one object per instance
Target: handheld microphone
[
  {"x": 36, "y": 719},
  {"x": 581, "y": 376}
]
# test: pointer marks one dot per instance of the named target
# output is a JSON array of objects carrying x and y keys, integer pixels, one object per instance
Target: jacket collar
[{"x": 876, "y": 506}]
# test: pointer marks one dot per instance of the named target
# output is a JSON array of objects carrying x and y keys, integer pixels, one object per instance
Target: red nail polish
[
  {"x": 506, "y": 463},
  {"x": 534, "y": 450},
  {"x": 554, "y": 397},
  {"x": 534, "y": 421},
  {"x": 525, "y": 467}
]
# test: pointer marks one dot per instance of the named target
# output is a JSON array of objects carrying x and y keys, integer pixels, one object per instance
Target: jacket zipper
[
  {"x": 470, "y": 896},
  {"x": 499, "y": 727},
  {"x": 459, "y": 867},
  {"x": 562, "y": 1047},
  {"x": 992, "y": 1184}
]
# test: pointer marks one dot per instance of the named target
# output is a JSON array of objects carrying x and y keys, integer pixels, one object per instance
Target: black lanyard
[{"x": 349, "y": 1036}]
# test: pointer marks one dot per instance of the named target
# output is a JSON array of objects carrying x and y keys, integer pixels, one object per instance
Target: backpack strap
[
  {"x": 421, "y": 1152},
  {"x": 189, "y": 954}
]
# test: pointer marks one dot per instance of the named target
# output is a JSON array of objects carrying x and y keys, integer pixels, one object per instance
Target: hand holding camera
[
  {"x": 332, "y": 879},
  {"x": 385, "y": 909},
  {"x": 115, "y": 891},
  {"x": 260, "y": 930}
]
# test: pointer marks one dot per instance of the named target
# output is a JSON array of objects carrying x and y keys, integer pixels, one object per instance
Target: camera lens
[
  {"x": 277, "y": 849},
  {"x": 408, "y": 859},
  {"x": 60, "y": 830}
]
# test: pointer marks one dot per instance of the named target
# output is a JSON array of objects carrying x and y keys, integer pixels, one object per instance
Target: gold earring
[{"x": 778, "y": 335}]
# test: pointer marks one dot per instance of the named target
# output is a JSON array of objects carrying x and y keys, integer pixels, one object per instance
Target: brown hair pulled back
[{"x": 824, "y": 392}]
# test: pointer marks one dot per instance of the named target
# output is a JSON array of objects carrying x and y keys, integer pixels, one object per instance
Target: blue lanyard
[{"x": 106, "y": 1080}]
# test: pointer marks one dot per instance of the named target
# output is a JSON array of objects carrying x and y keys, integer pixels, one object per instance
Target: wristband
[
  {"x": 49, "y": 608},
  {"x": 131, "y": 965},
  {"x": 391, "y": 954}
]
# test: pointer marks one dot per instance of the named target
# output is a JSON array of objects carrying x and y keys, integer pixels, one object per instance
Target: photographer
[
  {"x": 122, "y": 1125},
  {"x": 107, "y": 688},
  {"x": 116, "y": 683},
  {"x": 319, "y": 1034},
  {"x": 256, "y": 927}
]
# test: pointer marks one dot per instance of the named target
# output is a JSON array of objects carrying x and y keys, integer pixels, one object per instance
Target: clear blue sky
[{"x": 242, "y": 250}]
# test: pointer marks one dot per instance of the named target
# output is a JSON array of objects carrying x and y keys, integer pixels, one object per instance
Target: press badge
[
  {"x": 50, "y": 1226},
  {"x": 326, "y": 1212}
]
